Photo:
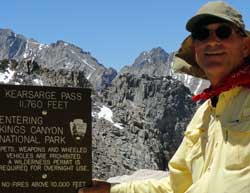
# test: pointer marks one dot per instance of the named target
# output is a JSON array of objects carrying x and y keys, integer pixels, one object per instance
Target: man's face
[{"x": 218, "y": 57}]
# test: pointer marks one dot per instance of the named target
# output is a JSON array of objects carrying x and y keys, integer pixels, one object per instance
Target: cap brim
[{"x": 204, "y": 19}]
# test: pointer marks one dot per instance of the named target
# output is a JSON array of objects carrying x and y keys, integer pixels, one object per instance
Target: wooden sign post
[{"x": 45, "y": 139}]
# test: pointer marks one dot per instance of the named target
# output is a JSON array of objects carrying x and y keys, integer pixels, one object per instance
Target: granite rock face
[
  {"x": 30, "y": 73},
  {"x": 150, "y": 115}
]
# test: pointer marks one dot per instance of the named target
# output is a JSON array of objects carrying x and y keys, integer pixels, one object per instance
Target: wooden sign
[{"x": 45, "y": 139}]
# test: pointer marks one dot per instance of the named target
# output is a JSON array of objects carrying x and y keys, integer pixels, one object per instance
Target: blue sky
[{"x": 114, "y": 31}]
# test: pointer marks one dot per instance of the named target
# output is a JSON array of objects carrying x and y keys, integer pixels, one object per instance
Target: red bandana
[{"x": 240, "y": 77}]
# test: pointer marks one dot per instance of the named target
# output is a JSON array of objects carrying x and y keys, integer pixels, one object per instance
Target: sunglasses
[{"x": 223, "y": 32}]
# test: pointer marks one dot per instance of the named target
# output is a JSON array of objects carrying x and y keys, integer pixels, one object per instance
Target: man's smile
[{"x": 214, "y": 53}]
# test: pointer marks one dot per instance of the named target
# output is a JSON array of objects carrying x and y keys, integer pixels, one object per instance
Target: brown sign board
[{"x": 45, "y": 139}]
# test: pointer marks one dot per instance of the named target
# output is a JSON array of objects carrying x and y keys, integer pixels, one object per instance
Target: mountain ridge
[
  {"x": 62, "y": 55},
  {"x": 55, "y": 56}
]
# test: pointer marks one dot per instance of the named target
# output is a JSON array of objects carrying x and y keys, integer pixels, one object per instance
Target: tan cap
[
  {"x": 216, "y": 10},
  {"x": 212, "y": 12}
]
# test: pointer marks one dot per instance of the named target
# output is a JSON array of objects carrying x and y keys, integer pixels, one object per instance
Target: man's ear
[{"x": 246, "y": 47}]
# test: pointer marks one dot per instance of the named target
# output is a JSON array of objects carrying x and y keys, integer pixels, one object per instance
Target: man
[{"x": 214, "y": 156}]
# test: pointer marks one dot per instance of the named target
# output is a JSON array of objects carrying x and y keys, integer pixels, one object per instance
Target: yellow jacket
[{"x": 214, "y": 156}]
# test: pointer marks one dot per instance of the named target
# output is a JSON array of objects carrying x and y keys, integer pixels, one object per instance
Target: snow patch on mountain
[
  {"x": 85, "y": 61},
  {"x": 6, "y": 76},
  {"x": 90, "y": 74},
  {"x": 106, "y": 113},
  {"x": 38, "y": 82},
  {"x": 42, "y": 46}
]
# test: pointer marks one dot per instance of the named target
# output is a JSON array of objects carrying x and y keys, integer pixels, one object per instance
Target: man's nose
[{"x": 213, "y": 38}]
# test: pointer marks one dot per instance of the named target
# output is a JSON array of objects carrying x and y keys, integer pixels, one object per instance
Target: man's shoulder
[
  {"x": 240, "y": 104},
  {"x": 245, "y": 92},
  {"x": 241, "y": 100}
]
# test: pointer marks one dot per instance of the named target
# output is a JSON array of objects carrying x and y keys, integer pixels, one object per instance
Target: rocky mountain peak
[
  {"x": 155, "y": 56},
  {"x": 157, "y": 62},
  {"x": 153, "y": 63},
  {"x": 60, "y": 42},
  {"x": 7, "y": 32},
  {"x": 55, "y": 57}
]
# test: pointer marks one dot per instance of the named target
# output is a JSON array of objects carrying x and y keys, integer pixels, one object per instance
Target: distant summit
[
  {"x": 153, "y": 63},
  {"x": 57, "y": 56},
  {"x": 156, "y": 63}
]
